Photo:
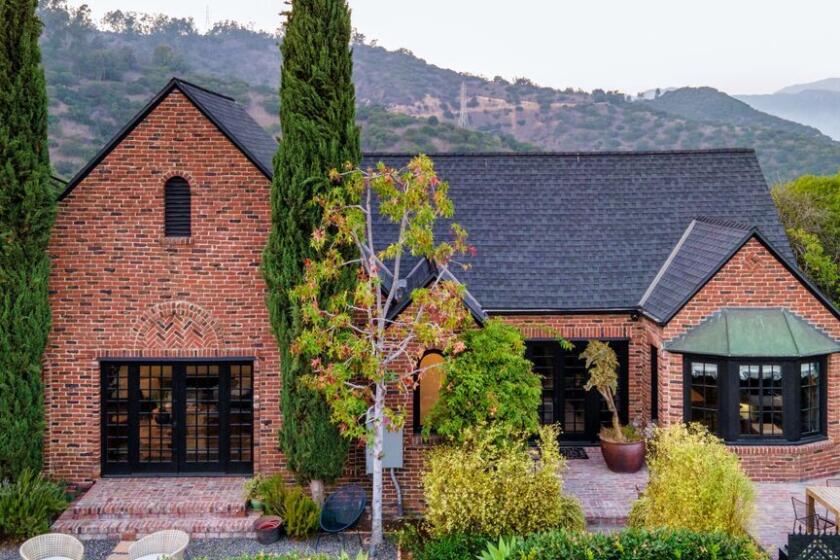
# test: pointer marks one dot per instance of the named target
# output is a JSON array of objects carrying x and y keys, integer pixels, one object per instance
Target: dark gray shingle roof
[
  {"x": 236, "y": 123},
  {"x": 590, "y": 231},
  {"x": 703, "y": 248},
  {"x": 223, "y": 111}
]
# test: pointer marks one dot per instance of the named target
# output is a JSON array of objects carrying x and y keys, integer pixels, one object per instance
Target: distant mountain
[
  {"x": 98, "y": 78},
  {"x": 817, "y": 108},
  {"x": 709, "y": 104},
  {"x": 828, "y": 84}
]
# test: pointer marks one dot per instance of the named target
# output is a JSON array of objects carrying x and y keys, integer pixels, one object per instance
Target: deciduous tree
[{"x": 357, "y": 346}]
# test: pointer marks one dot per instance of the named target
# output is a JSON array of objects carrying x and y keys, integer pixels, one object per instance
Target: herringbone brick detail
[{"x": 176, "y": 325}]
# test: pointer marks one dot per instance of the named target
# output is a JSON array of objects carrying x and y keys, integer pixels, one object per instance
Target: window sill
[
  {"x": 175, "y": 241},
  {"x": 781, "y": 442}
]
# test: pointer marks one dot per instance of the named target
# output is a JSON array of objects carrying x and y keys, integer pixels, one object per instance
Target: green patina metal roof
[{"x": 747, "y": 332}]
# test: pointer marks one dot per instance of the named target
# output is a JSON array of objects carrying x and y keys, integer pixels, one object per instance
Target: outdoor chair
[
  {"x": 170, "y": 544},
  {"x": 52, "y": 546},
  {"x": 801, "y": 518},
  {"x": 341, "y": 511}
]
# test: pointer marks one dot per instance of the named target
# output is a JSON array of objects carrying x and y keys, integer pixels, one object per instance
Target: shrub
[
  {"x": 490, "y": 383},
  {"x": 636, "y": 544},
  {"x": 491, "y": 486},
  {"x": 451, "y": 547},
  {"x": 300, "y": 514},
  {"x": 28, "y": 505},
  {"x": 695, "y": 483},
  {"x": 298, "y": 511}
]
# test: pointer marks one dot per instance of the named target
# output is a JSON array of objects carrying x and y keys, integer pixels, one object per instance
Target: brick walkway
[
  {"x": 132, "y": 507},
  {"x": 606, "y": 498}
]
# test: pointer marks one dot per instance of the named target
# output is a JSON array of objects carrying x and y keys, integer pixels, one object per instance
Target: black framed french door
[
  {"x": 177, "y": 417},
  {"x": 580, "y": 413}
]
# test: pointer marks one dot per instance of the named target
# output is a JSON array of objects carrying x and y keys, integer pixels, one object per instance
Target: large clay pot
[
  {"x": 623, "y": 457},
  {"x": 267, "y": 528}
]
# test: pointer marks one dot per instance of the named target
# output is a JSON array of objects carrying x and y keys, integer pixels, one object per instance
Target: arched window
[
  {"x": 428, "y": 389},
  {"x": 177, "y": 208}
]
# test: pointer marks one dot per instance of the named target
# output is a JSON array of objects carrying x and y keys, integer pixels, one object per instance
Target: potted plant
[
  {"x": 251, "y": 489},
  {"x": 623, "y": 447}
]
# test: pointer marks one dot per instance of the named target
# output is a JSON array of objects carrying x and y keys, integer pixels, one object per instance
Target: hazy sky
[{"x": 739, "y": 46}]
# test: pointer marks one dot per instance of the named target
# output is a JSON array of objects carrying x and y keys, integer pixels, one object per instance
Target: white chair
[
  {"x": 163, "y": 544},
  {"x": 52, "y": 546}
]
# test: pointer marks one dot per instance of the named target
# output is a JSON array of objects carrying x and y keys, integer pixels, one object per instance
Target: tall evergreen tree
[
  {"x": 317, "y": 115},
  {"x": 27, "y": 209}
]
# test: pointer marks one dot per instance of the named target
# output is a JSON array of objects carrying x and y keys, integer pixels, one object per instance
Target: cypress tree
[
  {"x": 317, "y": 116},
  {"x": 27, "y": 209}
]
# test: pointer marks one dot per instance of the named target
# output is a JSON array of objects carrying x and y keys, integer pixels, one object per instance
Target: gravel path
[
  {"x": 219, "y": 549},
  {"x": 94, "y": 550}
]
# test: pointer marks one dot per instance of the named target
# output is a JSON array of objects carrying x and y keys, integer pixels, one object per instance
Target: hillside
[
  {"x": 98, "y": 77},
  {"x": 819, "y": 108}
]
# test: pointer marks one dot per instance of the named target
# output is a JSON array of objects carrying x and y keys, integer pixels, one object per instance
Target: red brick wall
[
  {"x": 754, "y": 278},
  {"x": 119, "y": 288}
]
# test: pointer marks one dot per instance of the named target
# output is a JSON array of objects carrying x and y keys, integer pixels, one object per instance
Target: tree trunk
[
  {"x": 376, "y": 534},
  {"x": 316, "y": 488}
]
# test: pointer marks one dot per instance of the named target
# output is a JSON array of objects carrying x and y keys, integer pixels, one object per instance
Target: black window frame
[
  {"x": 177, "y": 208},
  {"x": 729, "y": 398}
]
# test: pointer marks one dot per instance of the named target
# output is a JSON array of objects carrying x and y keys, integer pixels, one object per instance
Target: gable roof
[
  {"x": 223, "y": 111},
  {"x": 703, "y": 249},
  {"x": 588, "y": 232}
]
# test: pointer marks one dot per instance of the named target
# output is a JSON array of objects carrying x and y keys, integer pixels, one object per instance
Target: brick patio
[
  {"x": 606, "y": 498},
  {"x": 131, "y": 507}
]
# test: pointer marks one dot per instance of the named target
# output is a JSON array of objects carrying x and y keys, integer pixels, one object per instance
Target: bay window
[{"x": 756, "y": 400}]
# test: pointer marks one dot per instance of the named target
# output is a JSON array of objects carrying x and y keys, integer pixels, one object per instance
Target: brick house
[{"x": 161, "y": 358}]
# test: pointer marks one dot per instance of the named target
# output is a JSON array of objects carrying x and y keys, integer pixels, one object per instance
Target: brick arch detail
[{"x": 176, "y": 325}]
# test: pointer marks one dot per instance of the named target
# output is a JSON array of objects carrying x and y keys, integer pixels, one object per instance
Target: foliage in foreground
[
  {"x": 28, "y": 505},
  {"x": 810, "y": 211},
  {"x": 636, "y": 544},
  {"x": 491, "y": 486},
  {"x": 490, "y": 383},
  {"x": 27, "y": 210},
  {"x": 695, "y": 483},
  {"x": 298, "y": 511}
]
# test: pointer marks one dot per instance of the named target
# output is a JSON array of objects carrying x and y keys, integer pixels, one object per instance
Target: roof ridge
[
  {"x": 671, "y": 256},
  {"x": 180, "y": 81},
  {"x": 549, "y": 153},
  {"x": 723, "y": 222}
]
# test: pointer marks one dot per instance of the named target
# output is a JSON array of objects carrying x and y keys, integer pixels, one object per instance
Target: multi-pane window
[
  {"x": 753, "y": 399},
  {"x": 810, "y": 398},
  {"x": 703, "y": 394},
  {"x": 761, "y": 400},
  {"x": 542, "y": 356}
]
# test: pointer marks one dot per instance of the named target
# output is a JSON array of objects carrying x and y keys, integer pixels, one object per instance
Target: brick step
[
  {"x": 120, "y": 508},
  {"x": 197, "y": 526}
]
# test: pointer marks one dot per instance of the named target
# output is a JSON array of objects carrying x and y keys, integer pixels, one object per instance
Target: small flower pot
[
  {"x": 623, "y": 457},
  {"x": 267, "y": 528}
]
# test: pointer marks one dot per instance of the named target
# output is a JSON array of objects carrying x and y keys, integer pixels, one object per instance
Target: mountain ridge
[{"x": 98, "y": 78}]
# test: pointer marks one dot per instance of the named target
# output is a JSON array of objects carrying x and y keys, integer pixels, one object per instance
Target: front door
[
  {"x": 580, "y": 413},
  {"x": 178, "y": 417}
]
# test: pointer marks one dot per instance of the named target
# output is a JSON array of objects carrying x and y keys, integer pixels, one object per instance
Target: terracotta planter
[
  {"x": 267, "y": 528},
  {"x": 623, "y": 457}
]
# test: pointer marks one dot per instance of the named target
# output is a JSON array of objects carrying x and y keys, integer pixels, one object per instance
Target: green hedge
[{"x": 637, "y": 544}]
